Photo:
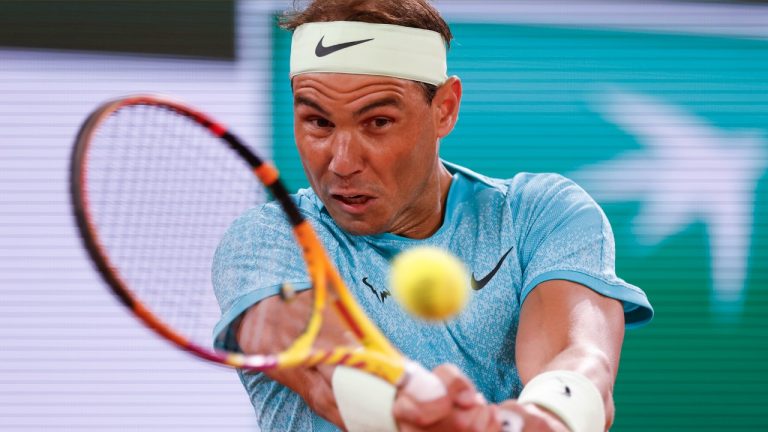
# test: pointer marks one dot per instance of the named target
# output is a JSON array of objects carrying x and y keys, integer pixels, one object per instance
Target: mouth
[
  {"x": 353, "y": 203},
  {"x": 351, "y": 199}
]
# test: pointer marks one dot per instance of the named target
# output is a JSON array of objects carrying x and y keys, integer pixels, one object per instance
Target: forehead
[{"x": 348, "y": 87}]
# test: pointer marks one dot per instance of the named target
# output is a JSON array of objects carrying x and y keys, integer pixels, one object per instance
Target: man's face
[{"x": 369, "y": 146}]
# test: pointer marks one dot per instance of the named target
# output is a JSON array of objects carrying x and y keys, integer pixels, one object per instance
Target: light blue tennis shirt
[{"x": 512, "y": 235}]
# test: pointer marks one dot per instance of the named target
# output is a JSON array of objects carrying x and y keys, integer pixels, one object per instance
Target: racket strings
[{"x": 162, "y": 191}]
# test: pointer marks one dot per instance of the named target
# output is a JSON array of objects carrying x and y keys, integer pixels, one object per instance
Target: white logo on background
[{"x": 687, "y": 171}]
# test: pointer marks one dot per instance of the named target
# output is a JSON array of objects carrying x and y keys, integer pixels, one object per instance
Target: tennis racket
[{"x": 155, "y": 184}]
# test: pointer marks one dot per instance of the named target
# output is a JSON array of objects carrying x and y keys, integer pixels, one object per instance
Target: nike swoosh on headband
[
  {"x": 322, "y": 51},
  {"x": 479, "y": 284}
]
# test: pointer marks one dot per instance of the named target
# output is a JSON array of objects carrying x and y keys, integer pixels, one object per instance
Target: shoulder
[
  {"x": 521, "y": 185},
  {"x": 261, "y": 222},
  {"x": 534, "y": 203},
  {"x": 474, "y": 187},
  {"x": 528, "y": 186},
  {"x": 524, "y": 190},
  {"x": 552, "y": 196}
]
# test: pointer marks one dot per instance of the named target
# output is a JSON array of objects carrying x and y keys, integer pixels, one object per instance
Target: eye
[
  {"x": 321, "y": 123},
  {"x": 381, "y": 122}
]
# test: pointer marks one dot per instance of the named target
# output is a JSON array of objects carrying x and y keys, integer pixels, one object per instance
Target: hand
[
  {"x": 462, "y": 409},
  {"x": 530, "y": 418},
  {"x": 272, "y": 325},
  {"x": 314, "y": 386}
]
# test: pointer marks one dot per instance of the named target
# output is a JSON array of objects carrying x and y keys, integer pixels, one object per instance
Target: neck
[{"x": 434, "y": 212}]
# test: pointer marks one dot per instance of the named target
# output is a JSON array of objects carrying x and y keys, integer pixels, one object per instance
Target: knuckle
[
  {"x": 447, "y": 370},
  {"x": 452, "y": 369},
  {"x": 463, "y": 422},
  {"x": 420, "y": 421},
  {"x": 535, "y": 423}
]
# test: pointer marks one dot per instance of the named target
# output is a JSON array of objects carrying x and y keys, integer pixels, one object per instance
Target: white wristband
[
  {"x": 569, "y": 395},
  {"x": 364, "y": 401}
]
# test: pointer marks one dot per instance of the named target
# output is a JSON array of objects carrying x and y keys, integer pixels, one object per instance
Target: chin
[
  {"x": 358, "y": 227},
  {"x": 356, "y": 224}
]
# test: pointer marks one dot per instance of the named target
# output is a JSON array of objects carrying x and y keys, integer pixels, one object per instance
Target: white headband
[{"x": 369, "y": 49}]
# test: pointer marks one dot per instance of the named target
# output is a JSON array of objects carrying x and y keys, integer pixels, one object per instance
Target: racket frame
[{"x": 377, "y": 355}]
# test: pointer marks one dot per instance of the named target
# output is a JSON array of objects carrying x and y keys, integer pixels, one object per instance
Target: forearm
[
  {"x": 313, "y": 385},
  {"x": 566, "y": 326},
  {"x": 268, "y": 327},
  {"x": 589, "y": 361}
]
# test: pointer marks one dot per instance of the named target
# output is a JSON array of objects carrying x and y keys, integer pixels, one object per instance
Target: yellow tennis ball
[{"x": 429, "y": 282}]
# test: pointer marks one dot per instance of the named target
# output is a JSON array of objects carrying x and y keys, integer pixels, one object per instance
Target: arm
[
  {"x": 285, "y": 322},
  {"x": 566, "y": 241},
  {"x": 462, "y": 409},
  {"x": 563, "y": 326},
  {"x": 566, "y": 326}
]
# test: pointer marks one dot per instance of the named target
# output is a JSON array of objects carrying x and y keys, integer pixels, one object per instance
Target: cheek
[
  {"x": 312, "y": 156},
  {"x": 413, "y": 163},
  {"x": 423, "y": 147}
]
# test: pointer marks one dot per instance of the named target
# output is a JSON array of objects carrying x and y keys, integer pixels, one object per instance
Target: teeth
[{"x": 353, "y": 199}]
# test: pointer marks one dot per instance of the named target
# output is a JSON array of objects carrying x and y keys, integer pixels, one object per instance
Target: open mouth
[{"x": 352, "y": 199}]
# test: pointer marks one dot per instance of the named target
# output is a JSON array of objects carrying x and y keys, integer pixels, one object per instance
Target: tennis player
[{"x": 538, "y": 346}]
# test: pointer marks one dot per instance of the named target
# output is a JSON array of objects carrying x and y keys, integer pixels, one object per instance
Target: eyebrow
[
  {"x": 301, "y": 100},
  {"x": 387, "y": 101}
]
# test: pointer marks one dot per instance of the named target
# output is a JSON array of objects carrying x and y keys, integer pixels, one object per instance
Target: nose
[{"x": 346, "y": 155}]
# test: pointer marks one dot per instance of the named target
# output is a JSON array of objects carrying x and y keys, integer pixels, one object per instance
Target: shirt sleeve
[
  {"x": 564, "y": 234},
  {"x": 257, "y": 254}
]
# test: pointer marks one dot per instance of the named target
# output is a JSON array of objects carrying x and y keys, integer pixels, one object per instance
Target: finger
[
  {"x": 404, "y": 409},
  {"x": 454, "y": 380},
  {"x": 510, "y": 417},
  {"x": 484, "y": 420},
  {"x": 469, "y": 398},
  {"x": 326, "y": 371},
  {"x": 408, "y": 410},
  {"x": 534, "y": 418},
  {"x": 545, "y": 418},
  {"x": 493, "y": 424},
  {"x": 458, "y": 385}
]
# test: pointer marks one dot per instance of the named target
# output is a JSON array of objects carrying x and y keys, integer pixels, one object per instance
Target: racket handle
[
  {"x": 364, "y": 401},
  {"x": 422, "y": 384}
]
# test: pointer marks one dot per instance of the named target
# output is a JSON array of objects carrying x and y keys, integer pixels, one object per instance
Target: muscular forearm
[
  {"x": 591, "y": 362},
  {"x": 314, "y": 387},
  {"x": 566, "y": 326},
  {"x": 271, "y": 326}
]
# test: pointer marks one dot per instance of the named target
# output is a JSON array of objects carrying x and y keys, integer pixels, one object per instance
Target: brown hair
[{"x": 408, "y": 13}]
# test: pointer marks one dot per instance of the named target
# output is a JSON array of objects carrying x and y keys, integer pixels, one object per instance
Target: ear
[{"x": 445, "y": 106}]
